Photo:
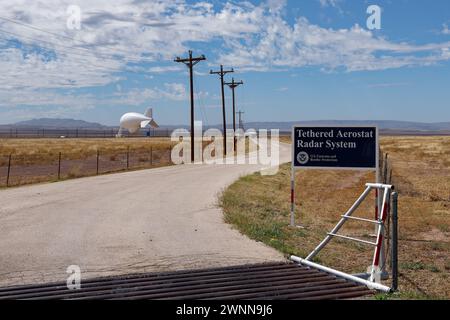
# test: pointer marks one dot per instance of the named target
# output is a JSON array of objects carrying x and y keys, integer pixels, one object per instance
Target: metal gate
[{"x": 378, "y": 263}]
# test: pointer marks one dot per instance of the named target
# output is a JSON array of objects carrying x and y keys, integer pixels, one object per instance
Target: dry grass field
[
  {"x": 37, "y": 160},
  {"x": 45, "y": 150},
  {"x": 259, "y": 207}
]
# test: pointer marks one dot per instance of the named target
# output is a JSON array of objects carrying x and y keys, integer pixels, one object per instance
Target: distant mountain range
[
  {"x": 382, "y": 124},
  {"x": 49, "y": 123},
  {"x": 387, "y": 126}
]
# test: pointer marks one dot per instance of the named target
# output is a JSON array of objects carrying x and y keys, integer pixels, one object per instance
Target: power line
[
  {"x": 244, "y": 101},
  {"x": 48, "y": 42},
  {"x": 241, "y": 123},
  {"x": 36, "y": 28},
  {"x": 222, "y": 73},
  {"x": 69, "y": 38},
  {"x": 67, "y": 52},
  {"x": 201, "y": 103},
  {"x": 86, "y": 51},
  {"x": 190, "y": 62},
  {"x": 233, "y": 85}
]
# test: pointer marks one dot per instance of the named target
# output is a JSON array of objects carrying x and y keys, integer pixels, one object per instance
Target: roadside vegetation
[
  {"x": 50, "y": 160},
  {"x": 258, "y": 206},
  {"x": 43, "y": 151}
]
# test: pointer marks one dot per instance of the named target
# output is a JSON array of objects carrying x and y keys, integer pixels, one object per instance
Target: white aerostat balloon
[{"x": 133, "y": 121}]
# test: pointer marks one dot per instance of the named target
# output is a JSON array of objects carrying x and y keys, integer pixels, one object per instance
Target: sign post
[{"x": 334, "y": 148}]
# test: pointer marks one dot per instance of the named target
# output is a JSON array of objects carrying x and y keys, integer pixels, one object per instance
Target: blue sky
[{"x": 300, "y": 60}]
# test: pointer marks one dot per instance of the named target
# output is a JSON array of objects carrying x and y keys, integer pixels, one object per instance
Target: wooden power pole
[
  {"x": 241, "y": 124},
  {"x": 233, "y": 85},
  {"x": 222, "y": 73},
  {"x": 190, "y": 63}
]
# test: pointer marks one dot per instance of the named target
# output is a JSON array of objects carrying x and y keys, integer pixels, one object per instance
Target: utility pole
[
  {"x": 190, "y": 63},
  {"x": 241, "y": 124},
  {"x": 233, "y": 85},
  {"x": 222, "y": 73}
]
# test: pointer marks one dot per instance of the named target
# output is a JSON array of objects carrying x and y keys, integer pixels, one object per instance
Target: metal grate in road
[{"x": 262, "y": 281}]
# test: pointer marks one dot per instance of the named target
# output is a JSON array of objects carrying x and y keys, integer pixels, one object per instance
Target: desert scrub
[{"x": 258, "y": 206}]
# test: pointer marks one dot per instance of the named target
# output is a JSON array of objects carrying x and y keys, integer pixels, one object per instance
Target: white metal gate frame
[{"x": 376, "y": 270}]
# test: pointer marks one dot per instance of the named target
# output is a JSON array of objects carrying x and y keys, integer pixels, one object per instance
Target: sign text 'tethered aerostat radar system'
[{"x": 333, "y": 148}]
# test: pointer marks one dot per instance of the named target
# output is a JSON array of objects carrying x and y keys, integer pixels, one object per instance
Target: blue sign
[{"x": 335, "y": 147}]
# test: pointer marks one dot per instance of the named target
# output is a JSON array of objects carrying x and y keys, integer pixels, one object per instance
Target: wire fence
[
  {"x": 18, "y": 170},
  {"x": 36, "y": 133},
  {"x": 386, "y": 175},
  {"x": 26, "y": 133}
]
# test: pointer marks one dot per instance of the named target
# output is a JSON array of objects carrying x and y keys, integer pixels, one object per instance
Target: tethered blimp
[{"x": 134, "y": 121}]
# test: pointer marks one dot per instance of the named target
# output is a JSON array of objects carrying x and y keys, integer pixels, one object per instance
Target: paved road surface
[{"x": 143, "y": 221}]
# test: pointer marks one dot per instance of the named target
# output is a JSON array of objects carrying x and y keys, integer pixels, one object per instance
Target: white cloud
[
  {"x": 329, "y": 3},
  {"x": 445, "y": 29},
  {"x": 388, "y": 85},
  {"x": 165, "y": 69},
  {"x": 171, "y": 91},
  {"x": 280, "y": 45},
  {"x": 29, "y": 97},
  {"x": 110, "y": 36},
  {"x": 33, "y": 70},
  {"x": 54, "y": 103},
  {"x": 115, "y": 37},
  {"x": 42, "y": 104},
  {"x": 257, "y": 38},
  {"x": 174, "y": 91}
]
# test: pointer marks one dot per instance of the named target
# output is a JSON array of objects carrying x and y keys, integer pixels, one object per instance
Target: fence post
[
  {"x": 59, "y": 166},
  {"x": 394, "y": 241},
  {"x": 128, "y": 157},
  {"x": 9, "y": 171},
  {"x": 151, "y": 156},
  {"x": 386, "y": 165},
  {"x": 169, "y": 155},
  {"x": 98, "y": 156}
]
